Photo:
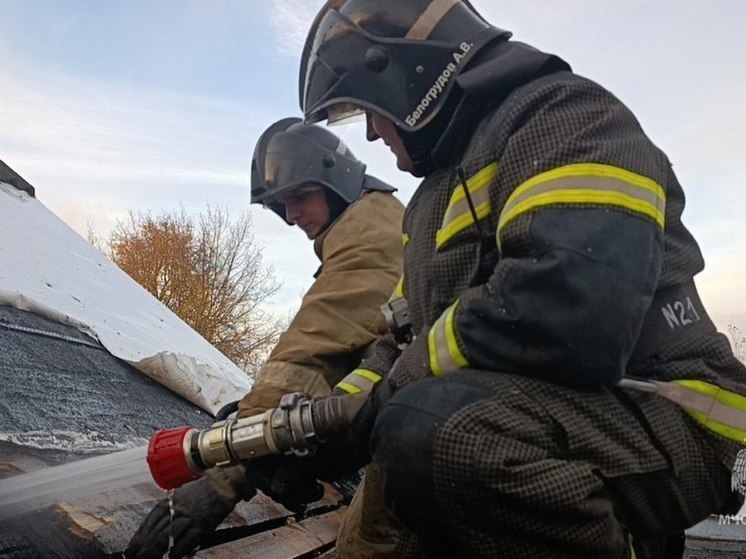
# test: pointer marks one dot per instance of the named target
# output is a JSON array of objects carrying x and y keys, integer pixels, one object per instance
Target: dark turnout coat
[{"x": 542, "y": 266}]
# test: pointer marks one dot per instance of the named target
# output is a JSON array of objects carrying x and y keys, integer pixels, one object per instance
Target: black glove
[
  {"x": 199, "y": 508},
  {"x": 346, "y": 451},
  {"x": 287, "y": 480}
]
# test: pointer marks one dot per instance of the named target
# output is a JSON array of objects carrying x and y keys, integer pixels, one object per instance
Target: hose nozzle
[{"x": 177, "y": 456}]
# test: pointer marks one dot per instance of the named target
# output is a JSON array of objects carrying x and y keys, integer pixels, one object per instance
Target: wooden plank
[{"x": 296, "y": 540}]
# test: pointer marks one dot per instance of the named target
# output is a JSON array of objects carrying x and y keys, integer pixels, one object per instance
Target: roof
[
  {"x": 61, "y": 389},
  {"x": 49, "y": 270},
  {"x": 74, "y": 333},
  {"x": 9, "y": 176}
]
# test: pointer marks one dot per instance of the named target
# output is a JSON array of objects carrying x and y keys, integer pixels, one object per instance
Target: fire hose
[
  {"x": 177, "y": 456},
  {"x": 296, "y": 426},
  {"x": 299, "y": 424}
]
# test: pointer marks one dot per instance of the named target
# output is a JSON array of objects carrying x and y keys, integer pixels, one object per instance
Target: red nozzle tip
[{"x": 166, "y": 458}]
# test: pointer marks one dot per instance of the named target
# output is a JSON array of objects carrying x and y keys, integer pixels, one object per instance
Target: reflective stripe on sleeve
[
  {"x": 590, "y": 184},
  {"x": 715, "y": 408},
  {"x": 359, "y": 380},
  {"x": 445, "y": 355},
  {"x": 458, "y": 215}
]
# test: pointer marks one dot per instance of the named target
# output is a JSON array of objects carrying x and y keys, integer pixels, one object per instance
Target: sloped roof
[
  {"x": 64, "y": 395},
  {"x": 48, "y": 269},
  {"x": 9, "y": 176},
  {"x": 62, "y": 390}
]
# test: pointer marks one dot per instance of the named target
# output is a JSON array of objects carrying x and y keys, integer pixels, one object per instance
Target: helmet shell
[
  {"x": 398, "y": 58},
  {"x": 290, "y": 155}
]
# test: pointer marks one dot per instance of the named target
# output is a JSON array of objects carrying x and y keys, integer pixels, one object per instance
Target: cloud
[
  {"x": 96, "y": 150},
  {"x": 290, "y": 20},
  {"x": 123, "y": 142}
]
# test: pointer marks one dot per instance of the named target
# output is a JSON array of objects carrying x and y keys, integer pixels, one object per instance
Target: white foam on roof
[{"x": 48, "y": 269}]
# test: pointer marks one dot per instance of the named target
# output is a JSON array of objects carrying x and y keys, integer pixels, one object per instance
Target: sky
[{"x": 110, "y": 107}]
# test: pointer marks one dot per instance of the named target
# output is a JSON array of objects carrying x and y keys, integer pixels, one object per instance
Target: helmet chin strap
[
  {"x": 422, "y": 163},
  {"x": 421, "y": 145}
]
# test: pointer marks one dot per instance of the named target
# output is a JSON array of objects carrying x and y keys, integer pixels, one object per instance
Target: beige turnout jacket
[{"x": 340, "y": 316}]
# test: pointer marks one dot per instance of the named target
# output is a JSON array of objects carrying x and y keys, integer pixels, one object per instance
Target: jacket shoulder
[{"x": 372, "y": 220}]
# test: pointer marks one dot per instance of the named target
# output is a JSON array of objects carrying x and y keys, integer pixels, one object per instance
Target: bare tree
[{"x": 208, "y": 270}]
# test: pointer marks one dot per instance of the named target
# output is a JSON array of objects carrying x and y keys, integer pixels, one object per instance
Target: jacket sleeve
[
  {"x": 340, "y": 314},
  {"x": 581, "y": 206}
]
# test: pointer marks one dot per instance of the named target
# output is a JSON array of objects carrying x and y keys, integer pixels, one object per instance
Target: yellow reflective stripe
[
  {"x": 359, "y": 380},
  {"x": 587, "y": 183},
  {"x": 372, "y": 376},
  {"x": 717, "y": 409},
  {"x": 445, "y": 355},
  {"x": 433, "y": 354},
  {"x": 399, "y": 290},
  {"x": 349, "y": 388},
  {"x": 404, "y": 239},
  {"x": 458, "y": 215}
]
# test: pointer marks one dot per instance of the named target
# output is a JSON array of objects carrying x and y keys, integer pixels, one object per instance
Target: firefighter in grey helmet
[
  {"x": 311, "y": 179},
  {"x": 545, "y": 253},
  {"x": 299, "y": 167}
]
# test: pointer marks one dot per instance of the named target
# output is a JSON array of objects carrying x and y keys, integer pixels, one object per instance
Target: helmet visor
[{"x": 348, "y": 70}]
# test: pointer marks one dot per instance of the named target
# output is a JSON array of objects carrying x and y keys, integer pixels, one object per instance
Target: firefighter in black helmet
[
  {"x": 546, "y": 261},
  {"x": 310, "y": 178}
]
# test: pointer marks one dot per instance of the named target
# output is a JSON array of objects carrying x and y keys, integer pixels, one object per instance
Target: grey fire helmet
[{"x": 291, "y": 154}]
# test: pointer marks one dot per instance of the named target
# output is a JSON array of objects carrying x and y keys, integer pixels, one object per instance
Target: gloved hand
[
  {"x": 290, "y": 480},
  {"x": 199, "y": 508},
  {"x": 412, "y": 365},
  {"x": 287, "y": 480}
]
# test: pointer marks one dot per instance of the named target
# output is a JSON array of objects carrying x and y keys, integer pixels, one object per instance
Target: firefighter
[
  {"x": 545, "y": 262},
  {"x": 311, "y": 179}
]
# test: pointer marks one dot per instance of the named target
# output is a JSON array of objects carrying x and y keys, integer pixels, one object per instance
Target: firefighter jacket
[
  {"x": 553, "y": 248},
  {"x": 340, "y": 316}
]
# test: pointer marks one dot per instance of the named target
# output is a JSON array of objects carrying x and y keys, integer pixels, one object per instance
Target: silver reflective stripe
[
  {"x": 445, "y": 363},
  {"x": 359, "y": 380},
  {"x": 586, "y": 183},
  {"x": 705, "y": 404},
  {"x": 429, "y": 19},
  {"x": 713, "y": 407},
  {"x": 459, "y": 214},
  {"x": 445, "y": 355},
  {"x": 462, "y": 207}
]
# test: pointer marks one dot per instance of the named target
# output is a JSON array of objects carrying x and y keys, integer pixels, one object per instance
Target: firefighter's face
[
  {"x": 307, "y": 208},
  {"x": 381, "y": 127}
]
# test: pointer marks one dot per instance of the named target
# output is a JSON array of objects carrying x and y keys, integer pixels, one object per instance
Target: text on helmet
[{"x": 437, "y": 88}]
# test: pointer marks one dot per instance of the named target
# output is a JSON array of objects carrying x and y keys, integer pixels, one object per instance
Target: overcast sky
[{"x": 108, "y": 107}]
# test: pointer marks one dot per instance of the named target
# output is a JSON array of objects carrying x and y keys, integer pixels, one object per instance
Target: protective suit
[
  {"x": 545, "y": 261},
  {"x": 340, "y": 315},
  {"x": 360, "y": 250}
]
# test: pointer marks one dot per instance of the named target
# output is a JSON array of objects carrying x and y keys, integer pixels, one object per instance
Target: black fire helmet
[{"x": 397, "y": 58}]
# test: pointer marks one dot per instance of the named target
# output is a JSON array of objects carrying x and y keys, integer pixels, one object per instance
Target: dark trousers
[{"x": 485, "y": 464}]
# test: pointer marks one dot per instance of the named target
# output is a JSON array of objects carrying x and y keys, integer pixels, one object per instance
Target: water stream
[
  {"x": 171, "y": 512},
  {"x": 28, "y": 492}
]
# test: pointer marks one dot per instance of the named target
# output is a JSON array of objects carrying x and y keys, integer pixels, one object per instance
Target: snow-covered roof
[{"x": 48, "y": 269}]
